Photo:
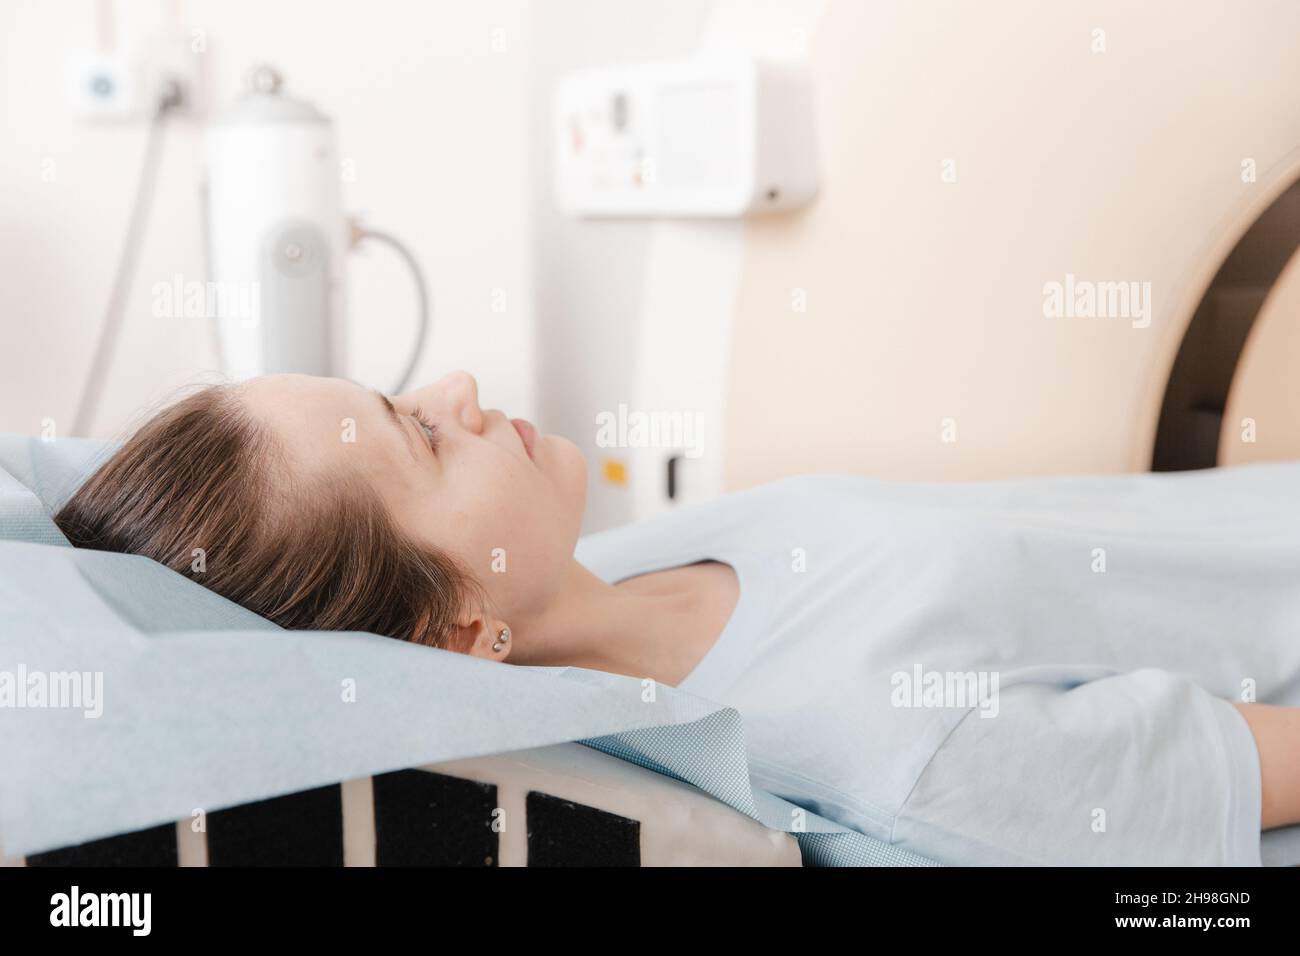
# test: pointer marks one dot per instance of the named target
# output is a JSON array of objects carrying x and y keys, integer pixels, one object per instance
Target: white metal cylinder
[{"x": 276, "y": 235}]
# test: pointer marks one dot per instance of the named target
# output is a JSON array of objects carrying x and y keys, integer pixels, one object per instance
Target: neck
[{"x": 633, "y": 629}]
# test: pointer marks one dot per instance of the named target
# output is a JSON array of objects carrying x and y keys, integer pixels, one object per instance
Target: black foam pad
[
  {"x": 430, "y": 819},
  {"x": 564, "y": 833},
  {"x": 299, "y": 829},
  {"x": 155, "y": 846}
]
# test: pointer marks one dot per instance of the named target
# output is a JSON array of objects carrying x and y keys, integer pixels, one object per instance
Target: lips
[{"x": 527, "y": 434}]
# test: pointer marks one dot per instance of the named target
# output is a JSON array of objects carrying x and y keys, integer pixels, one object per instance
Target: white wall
[
  {"x": 590, "y": 273},
  {"x": 430, "y": 110}
]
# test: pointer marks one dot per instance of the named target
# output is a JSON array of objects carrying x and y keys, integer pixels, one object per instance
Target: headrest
[{"x": 36, "y": 477}]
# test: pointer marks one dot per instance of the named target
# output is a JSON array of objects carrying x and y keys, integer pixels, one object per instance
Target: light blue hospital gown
[{"x": 1017, "y": 672}]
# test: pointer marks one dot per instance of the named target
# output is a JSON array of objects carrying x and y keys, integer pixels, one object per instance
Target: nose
[
  {"x": 462, "y": 394},
  {"x": 454, "y": 396}
]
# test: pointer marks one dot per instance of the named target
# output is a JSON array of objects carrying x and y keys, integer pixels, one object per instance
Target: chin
[{"x": 566, "y": 466}]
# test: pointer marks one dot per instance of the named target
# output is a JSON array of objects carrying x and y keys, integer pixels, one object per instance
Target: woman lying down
[{"x": 1083, "y": 671}]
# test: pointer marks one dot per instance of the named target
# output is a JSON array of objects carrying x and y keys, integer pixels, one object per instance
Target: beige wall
[{"x": 924, "y": 298}]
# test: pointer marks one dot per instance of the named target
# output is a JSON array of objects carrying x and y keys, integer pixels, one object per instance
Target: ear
[{"x": 482, "y": 636}]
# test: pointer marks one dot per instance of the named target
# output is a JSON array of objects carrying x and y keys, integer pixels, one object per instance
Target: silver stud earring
[{"x": 503, "y": 638}]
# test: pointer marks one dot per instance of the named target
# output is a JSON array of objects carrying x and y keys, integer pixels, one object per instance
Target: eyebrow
[{"x": 391, "y": 412}]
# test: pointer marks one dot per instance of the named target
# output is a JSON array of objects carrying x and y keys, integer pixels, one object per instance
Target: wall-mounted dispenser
[{"x": 720, "y": 136}]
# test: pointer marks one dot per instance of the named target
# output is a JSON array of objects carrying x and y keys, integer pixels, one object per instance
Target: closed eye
[{"x": 429, "y": 428}]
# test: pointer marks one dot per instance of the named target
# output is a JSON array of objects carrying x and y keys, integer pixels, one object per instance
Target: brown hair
[{"x": 306, "y": 554}]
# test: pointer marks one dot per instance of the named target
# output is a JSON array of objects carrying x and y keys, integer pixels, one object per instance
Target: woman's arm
[{"x": 1277, "y": 737}]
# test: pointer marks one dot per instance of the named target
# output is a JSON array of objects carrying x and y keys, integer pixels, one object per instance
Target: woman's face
[{"x": 503, "y": 499}]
